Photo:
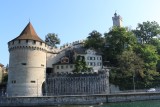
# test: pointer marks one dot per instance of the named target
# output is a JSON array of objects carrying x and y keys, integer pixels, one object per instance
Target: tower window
[
  {"x": 19, "y": 41},
  {"x": 33, "y": 81},
  {"x": 24, "y": 64},
  {"x": 34, "y": 42},
  {"x": 26, "y": 41},
  {"x": 13, "y": 81},
  {"x": 40, "y": 43}
]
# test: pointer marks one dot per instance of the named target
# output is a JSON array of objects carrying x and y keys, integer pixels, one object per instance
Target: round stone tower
[{"x": 27, "y": 64}]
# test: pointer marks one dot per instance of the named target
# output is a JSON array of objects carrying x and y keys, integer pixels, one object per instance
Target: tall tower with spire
[
  {"x": 117, "y": 20},
  {"x": 27, "y": 64}
]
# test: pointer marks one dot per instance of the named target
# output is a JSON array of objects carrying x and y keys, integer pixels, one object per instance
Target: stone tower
[
  {"x": 27, "y": 64},
  {"x": 117, "y": 20}
]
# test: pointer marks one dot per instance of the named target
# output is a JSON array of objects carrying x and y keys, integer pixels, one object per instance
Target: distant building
[{"x": 117, "y": 20}]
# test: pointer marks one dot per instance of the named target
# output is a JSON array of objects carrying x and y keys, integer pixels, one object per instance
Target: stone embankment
[{"x": 77, "y": 99}]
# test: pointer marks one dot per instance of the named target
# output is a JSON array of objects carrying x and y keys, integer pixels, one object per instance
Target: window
[
  {"x": 100, "y": 58},
  {"x": 42, "y": 65},
  {"x": 88, "y": 58},
  {"x": 33, "y": 81},
  {"x": 93, "y": 58},
  {"x": 71, "y": 66},
  {"x": 97, "y": 58},
  {"x": 34, "y": 42},
  {"x": 13, "y": 81},
  {"x": 40, "y": 43},
  {"x": 19, "y": 41},
  {"x": 61, "y": 67},
  {"x": 57, "y": 67},
  {"x": 26, "y": 41},
  {"x": 66, "y": 66},
  {"x": 24, "y": 64}
]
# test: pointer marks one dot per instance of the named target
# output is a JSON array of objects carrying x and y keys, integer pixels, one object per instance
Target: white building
[
  {"x": 31, "y": 58},
  {"x": 117, "y": 20}
]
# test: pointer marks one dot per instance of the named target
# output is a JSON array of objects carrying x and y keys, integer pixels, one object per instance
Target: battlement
[
  {"x": 32, "y": 44},
  {"x": 75, "y": 44}
]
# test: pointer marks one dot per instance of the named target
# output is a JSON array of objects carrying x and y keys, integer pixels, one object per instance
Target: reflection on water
[{"x": 153, "y": 103}]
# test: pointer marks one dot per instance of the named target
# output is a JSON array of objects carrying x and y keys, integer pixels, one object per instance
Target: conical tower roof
[{"x": 28, "y": 34}]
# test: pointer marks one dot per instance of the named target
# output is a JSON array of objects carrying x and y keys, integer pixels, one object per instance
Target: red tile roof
[{"x": 28, "y": 34}]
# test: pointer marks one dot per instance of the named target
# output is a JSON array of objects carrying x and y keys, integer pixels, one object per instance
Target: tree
[
  {"x": 94, "y": 40},
  {"x": 150, "y": 57},
  {"x": 80, "y": 64},
  {"x": 118, "y": 39},
  {"x": 147, "y": 30},
  {"x": 130, "y": 71},
  {"x": 52, "y": 39}
]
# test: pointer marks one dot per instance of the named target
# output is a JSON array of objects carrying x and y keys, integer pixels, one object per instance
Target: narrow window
[
  {"x": 19, "y": 41},
  {"x": 24, "y": 64},
  {"x": 13, "y": 81},
  {"x": 100, "y": 58},
  {"x": 33, "y": 81},
  {"x": 66, "y": 66},
  {"x": 71, "y": 66},
  {"x": 61, "y": 67},
  {"x": 26, "y": 41},
  {"x": 40, "y": 43},
  {"x": 34, "y": 42}
]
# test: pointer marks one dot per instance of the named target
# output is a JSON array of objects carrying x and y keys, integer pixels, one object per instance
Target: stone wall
[
  {"x": 77, "y": 84},
  {"x": 76, "y": 99}
]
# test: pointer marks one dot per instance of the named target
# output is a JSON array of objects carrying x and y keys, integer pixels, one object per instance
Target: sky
[{"x": 72, "y": 20}]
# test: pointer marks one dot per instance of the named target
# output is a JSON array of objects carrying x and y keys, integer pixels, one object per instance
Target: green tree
[
  {"x": 94, "y": 40},
  {"x": 118, "y": 39},
  {"x": 52, "y": 39},
  {"x": 147, "y": 30},
  {"x": 150, "y": 57},
  {"x": 80, "y": 65},
  {"x": 130, "y": 72}
]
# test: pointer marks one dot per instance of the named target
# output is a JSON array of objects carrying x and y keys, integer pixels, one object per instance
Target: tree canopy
[
  {"x": 52, "y": 39},
  {"x": 94, "y": 40},
  {"x": 147, "y": 30}
]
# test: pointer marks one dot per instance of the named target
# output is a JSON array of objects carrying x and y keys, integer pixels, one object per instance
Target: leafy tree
[
  {"x": 80, "y": 65},
  {"x": 94, "y": 40},
  {"x": 150, "y": 57},
  {"x": 118, "y": 39},
  {"x": 147, "y": 30},
  {"x": 52, "y": 39},
  {"x": 131, "y": 69}
]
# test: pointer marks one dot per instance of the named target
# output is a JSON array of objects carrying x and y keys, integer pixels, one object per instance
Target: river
[{"x": 153, "y": 103}]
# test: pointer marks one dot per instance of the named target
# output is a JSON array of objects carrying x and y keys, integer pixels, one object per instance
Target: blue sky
[{"x": 71, "y": 19}]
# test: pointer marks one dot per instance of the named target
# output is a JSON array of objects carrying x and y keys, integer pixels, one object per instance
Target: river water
[{"x": 153, "y": 103}]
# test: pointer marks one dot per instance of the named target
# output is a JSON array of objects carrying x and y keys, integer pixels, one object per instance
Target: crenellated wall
[{"x": 77, "y": 84}]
